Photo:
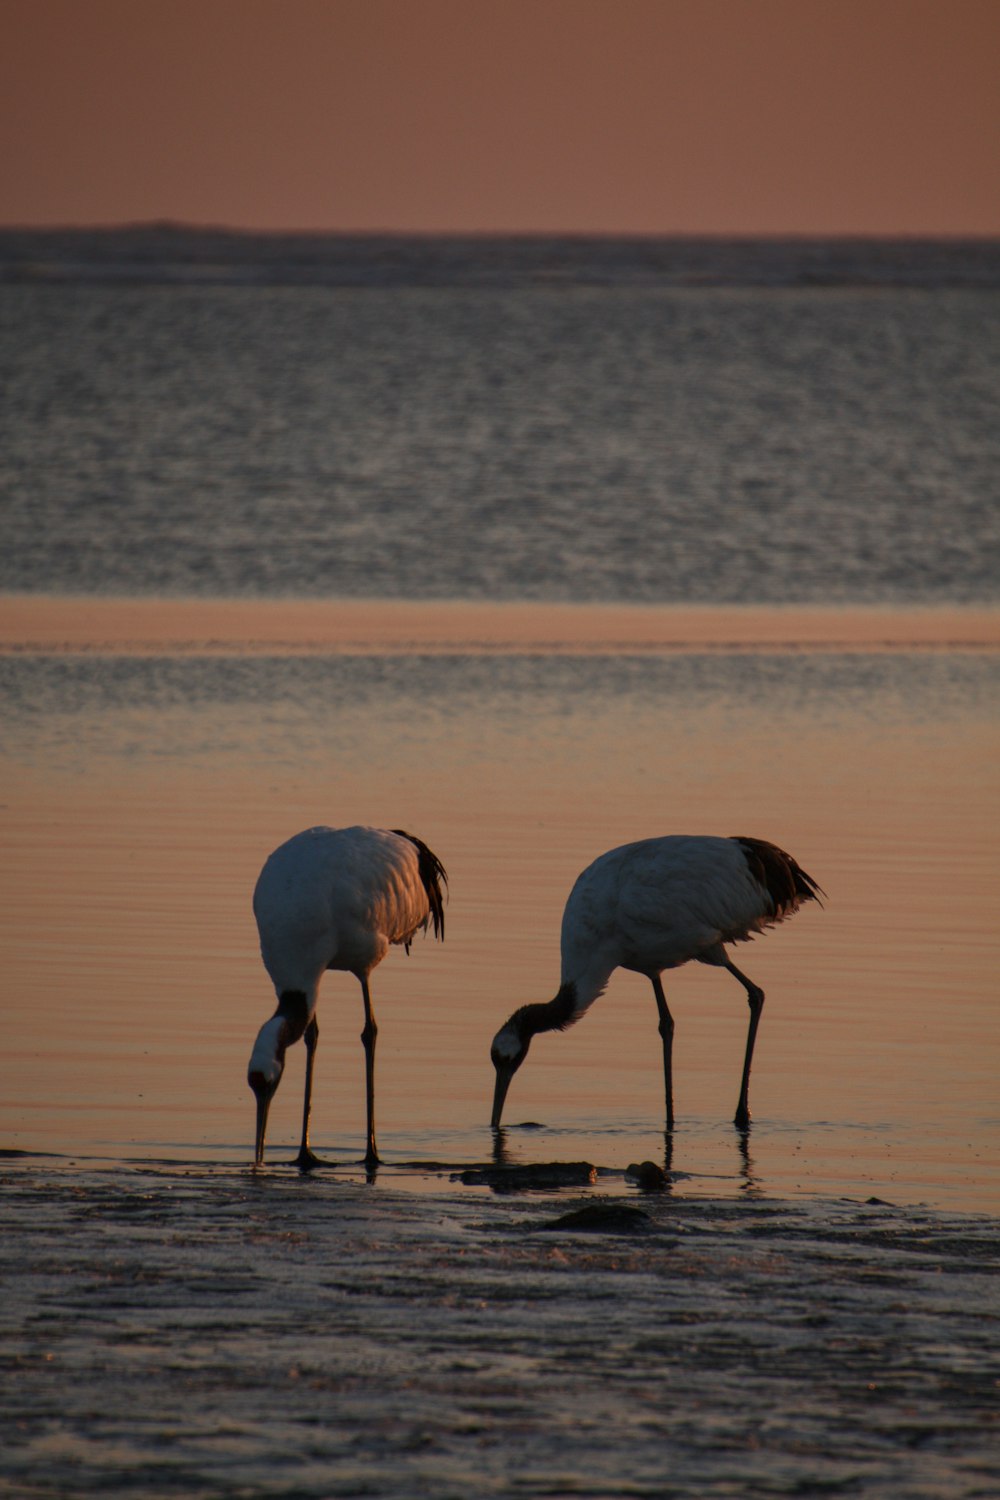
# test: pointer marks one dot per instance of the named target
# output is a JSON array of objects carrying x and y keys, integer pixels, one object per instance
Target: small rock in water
[
  {"x": 603, "y": 1218},
  {"x": 647, "y": 1176}
]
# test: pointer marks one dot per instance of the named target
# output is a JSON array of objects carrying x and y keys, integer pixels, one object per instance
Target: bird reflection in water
[
  {"x": 648, "y": 1176},
  {"x": 751, "y": 1182}
]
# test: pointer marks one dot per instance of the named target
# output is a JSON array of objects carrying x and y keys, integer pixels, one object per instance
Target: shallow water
[{"x": 142, "y": 793}]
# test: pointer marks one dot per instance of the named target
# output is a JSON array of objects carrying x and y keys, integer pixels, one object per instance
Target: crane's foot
[
  {"x": 742, "y": 1119},
  {"x": 307, "y": 1160}
]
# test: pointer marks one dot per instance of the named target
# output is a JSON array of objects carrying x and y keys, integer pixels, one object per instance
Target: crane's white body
[
  {"x": 655, "y": 905},
  {"x": 336, "y": 898},
  {"x": 333, "y": 898},
  {"x": 651, "y": 906}
]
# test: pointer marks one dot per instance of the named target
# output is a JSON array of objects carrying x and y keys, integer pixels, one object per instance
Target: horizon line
[{"x": 167, "y": 224}]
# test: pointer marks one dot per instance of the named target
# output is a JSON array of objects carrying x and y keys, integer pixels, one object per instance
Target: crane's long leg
[
  {"x": 368, "y": 1038},
  {"x": 755, "y": 998},
  {"x": 306, "y": 1159},
  {"x": 667, "y": 1033}
]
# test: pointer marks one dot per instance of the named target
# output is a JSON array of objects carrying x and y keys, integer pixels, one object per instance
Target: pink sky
[{"x": 649, "y": 116}]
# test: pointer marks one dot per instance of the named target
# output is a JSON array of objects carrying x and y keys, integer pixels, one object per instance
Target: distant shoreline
[{"x": 195, "y": 255}]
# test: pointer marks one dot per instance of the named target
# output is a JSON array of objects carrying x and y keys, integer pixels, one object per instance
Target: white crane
[
  {"x": 334, "y": 898},
  {"x": 655, "y": 905}
]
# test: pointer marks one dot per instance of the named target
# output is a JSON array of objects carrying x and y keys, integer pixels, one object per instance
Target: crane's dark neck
[
  {"x": 286, "y": 1026},
  {"x": 554, "y": 1016},
  {"x": 293, "y": 1012}
]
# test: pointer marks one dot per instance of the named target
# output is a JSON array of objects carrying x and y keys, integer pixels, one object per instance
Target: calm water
[
  {"x": 812, "y": 1309},
  {"x": 143, "y": 795}
]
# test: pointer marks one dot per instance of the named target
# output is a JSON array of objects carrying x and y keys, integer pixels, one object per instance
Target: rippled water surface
[
  {"x": 591, "y": 434},
  {"x": 809, "y": 1307}
]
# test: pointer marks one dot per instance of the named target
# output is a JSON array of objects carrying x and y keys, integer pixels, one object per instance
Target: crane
[
  {"x": 334, "y": 898},
  {"x": 655, "y": 905}
]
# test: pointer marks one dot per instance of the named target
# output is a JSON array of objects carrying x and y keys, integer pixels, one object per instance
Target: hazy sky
[{"x": 874, "y": 116}]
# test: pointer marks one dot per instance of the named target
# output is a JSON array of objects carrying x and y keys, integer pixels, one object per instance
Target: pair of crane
[{"x": 339, "y": 898}]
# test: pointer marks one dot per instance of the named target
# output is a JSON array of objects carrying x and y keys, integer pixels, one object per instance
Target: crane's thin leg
[
  {"x": 755, "y": 997},
  {"x": 368, "y": 1038},
  {"x": 306, "y": 1160},
  {"x": 667, "y": 1033}
]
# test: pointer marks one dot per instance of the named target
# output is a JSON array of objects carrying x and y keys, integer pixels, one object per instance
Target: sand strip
[{"x": 38, "y": 624}]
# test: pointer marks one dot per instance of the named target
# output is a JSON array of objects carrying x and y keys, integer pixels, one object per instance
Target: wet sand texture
[{"x": 215, "y": 1334}]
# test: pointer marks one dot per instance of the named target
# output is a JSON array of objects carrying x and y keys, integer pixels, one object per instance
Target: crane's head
[
  {"x": 511, "y": 1043},
  {"x": 509, "y": 1049},
  {"x": 267, "y": 1063}
]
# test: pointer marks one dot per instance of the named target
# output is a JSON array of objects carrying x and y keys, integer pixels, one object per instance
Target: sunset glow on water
[
  {"x": 141, "y": 807},
  {"x": 533, "y": 547}
]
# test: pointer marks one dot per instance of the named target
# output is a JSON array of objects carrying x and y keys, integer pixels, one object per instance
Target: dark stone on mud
[
  {"x": 603, "y": 1218},
  {"x": 647, "y": 1176}
]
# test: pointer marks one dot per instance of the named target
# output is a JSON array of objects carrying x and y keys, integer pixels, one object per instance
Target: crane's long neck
[
  {"x": 556, "y": 1015},
  {"x": 590, "y": 974},
  {"x": 285, "y": 1027}
]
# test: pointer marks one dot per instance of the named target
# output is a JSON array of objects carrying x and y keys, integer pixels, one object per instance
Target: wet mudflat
[{"x": 214, "y": 1333}]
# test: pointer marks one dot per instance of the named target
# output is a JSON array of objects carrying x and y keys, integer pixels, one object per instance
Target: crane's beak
[
  {"x": 265, "y": 1093},
  {"x": 505, "y": 1072}
]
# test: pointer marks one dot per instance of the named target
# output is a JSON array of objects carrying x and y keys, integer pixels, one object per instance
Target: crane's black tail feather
[
  {"x": 434, "y": 878},
  {"x": 782, "y": 877}
]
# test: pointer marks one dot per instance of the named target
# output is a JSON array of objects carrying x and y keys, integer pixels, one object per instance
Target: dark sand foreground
[{"x": 206, "y": 1333}]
